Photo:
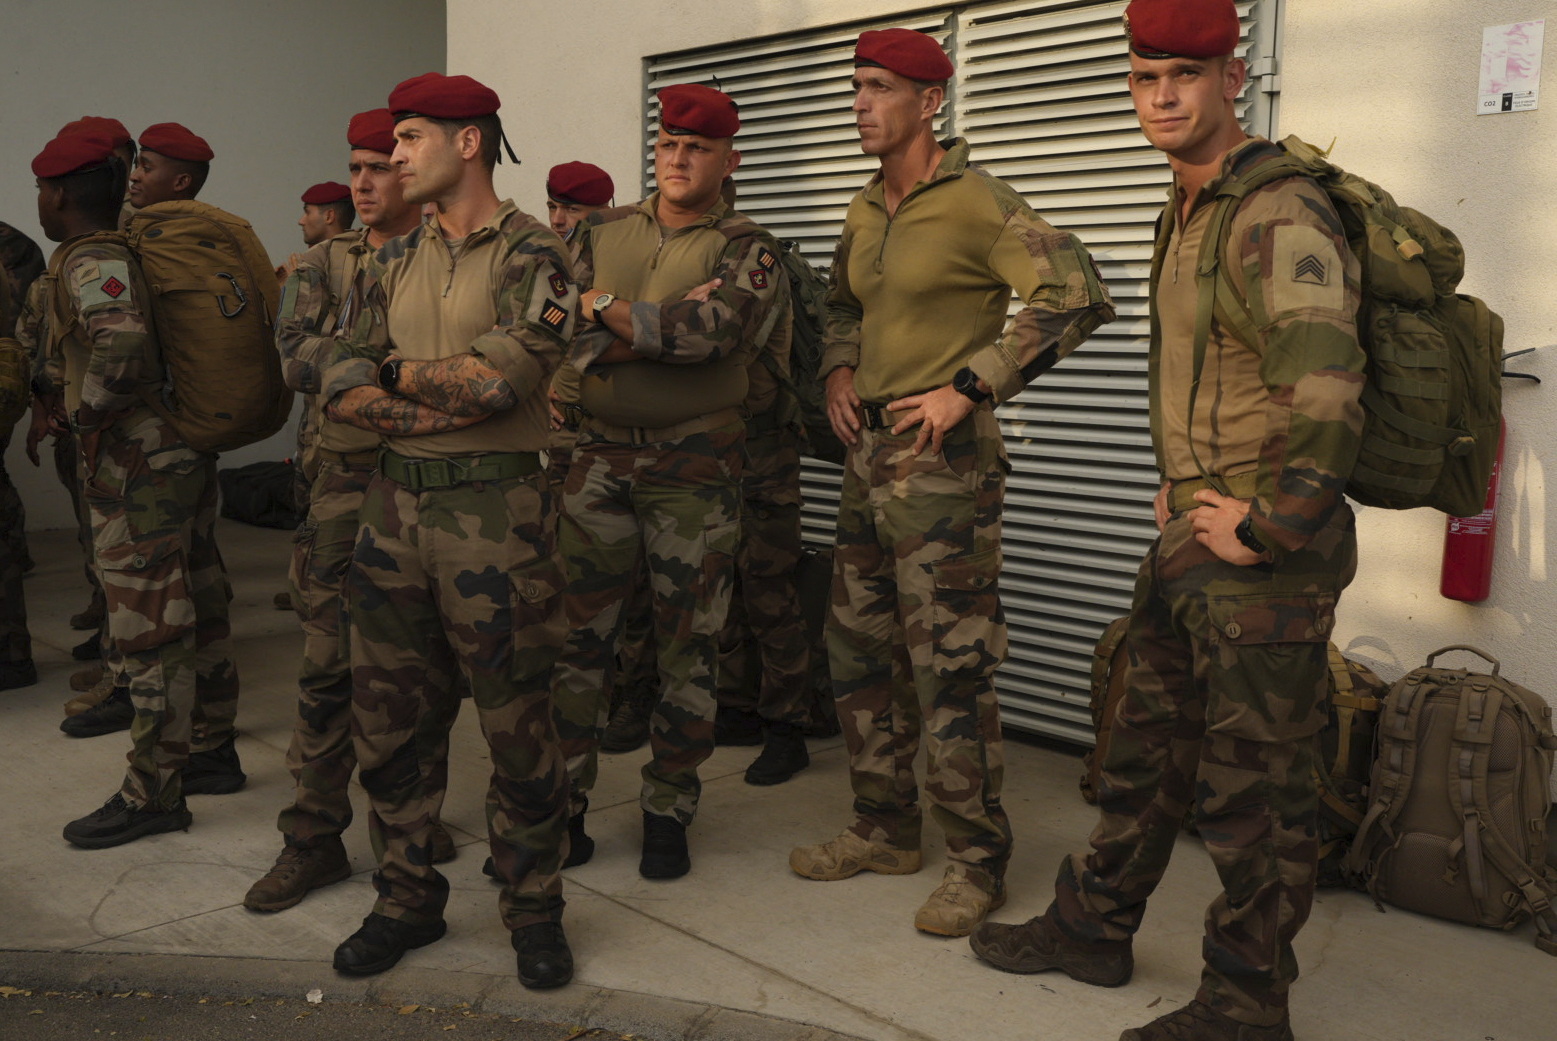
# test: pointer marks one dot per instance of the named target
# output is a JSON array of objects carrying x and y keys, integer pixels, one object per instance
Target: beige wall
[
  {"x": 1393, "y": 81},
  {"x": 270, "y": 86}
]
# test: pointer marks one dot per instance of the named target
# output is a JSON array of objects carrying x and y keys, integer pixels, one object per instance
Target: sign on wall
[{"x": 1510, "y": 67}]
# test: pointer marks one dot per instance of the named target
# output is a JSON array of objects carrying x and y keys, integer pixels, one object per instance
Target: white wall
[
  {"x": 1393, "y": 80},
  {"x": 270, "y": 86}
]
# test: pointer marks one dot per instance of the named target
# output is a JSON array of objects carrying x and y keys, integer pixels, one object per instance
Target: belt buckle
[
  {"x": 572, "y": 415},
  {"x": 873, "y": 417},
  {"x": 428, "y": 474}
]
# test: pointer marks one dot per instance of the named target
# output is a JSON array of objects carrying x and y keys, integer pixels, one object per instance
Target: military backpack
[
  {"x": 808, "y": 396},
  {"x": 1458, "y": 801},
  {"x": 213, "y": 297},
  {"x": 1433, "y": 400}
]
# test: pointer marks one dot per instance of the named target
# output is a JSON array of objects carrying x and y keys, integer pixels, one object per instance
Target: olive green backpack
[{"x": 1433, "y": 401}]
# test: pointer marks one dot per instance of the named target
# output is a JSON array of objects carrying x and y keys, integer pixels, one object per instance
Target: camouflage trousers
[
  {"x": 765, "y": 621},
  {"x": 15, "y": 641},
  {"x": 152, "y": 501},
  {"x": 915, "y": 634},
  {"x": 462, "y": 579},
  {"x": 669, "y": 509},
  {"x": 1225, "y": 693},
  {"x": 67, "y": 467}
]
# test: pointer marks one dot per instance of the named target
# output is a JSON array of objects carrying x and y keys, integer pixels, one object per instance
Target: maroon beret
[
  {"x": 373, "y": 130},
  {"x": 326, "y": 192},
  {"x": 1182, "y": 28},
  {"x": 106, "y": 125},
  {"x": 905, "y": 52},
  {"x": 176, "y": 142},
  {"x": 436, "y": 96},
  {"x": 71, "y": 150},
  {"x": 691, "y": 108},
  {"x": 583, "y": 184}
]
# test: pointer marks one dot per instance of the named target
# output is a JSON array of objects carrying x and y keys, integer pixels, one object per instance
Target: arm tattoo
[
  {"x": 464, "y": 385},
  {"x": 391, "y": 414}
]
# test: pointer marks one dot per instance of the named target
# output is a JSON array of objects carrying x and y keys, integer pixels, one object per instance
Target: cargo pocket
[
  {"x": 535, "y": 609},
  {"x": 302, "y": 569},
  {"x": 715, "y": 578},
  {"x": 147, "y": 586},
  {"x": 968, "y": 626},
  {"x": 1269, "y": 675}
]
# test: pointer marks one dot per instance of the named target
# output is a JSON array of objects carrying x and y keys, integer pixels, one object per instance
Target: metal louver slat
[{"x": 1041, "y": 95}]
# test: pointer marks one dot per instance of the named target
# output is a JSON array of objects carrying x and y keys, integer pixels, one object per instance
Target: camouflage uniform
[
  {"x": 452, "y": 572},
  {"x": 655, "y": 478},
  {"x": 1228, "y": 671},
  {"x": 15, "y": 393},
  {"x": 152, "y": 501},
  {"x": 916, "y": 629}
]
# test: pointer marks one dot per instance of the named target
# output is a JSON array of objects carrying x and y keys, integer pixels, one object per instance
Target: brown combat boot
[
  {"x": 848, "y": 855},
  {"x": 443, "y": 848},
  {"x": 297, "y": 871},
  {"x": 90, "y": 698},
  {"x": 959, "y": 903},
  {"x": 1199, "y": 1022},
  {"x": 92, "y": 617},
  {"x": 1039, "y": 945},
  {"x": 85, "y": 679}
]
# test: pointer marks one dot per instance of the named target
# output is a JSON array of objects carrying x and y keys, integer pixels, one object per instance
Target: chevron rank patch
[
  {"x": 553, "y": 316},
  {"x": 766, "y": 260},
  {"x": 559, "y": 286},
  {"x": 759, "y": 278},
  {"x": 1311, "y": 268},
  {"x": 1305, "y": 272}
]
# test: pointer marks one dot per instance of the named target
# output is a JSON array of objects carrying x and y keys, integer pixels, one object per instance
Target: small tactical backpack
[
  {"x": 1108, "y": 668},
  {"x": 1456, "y": 821},
  {"x": 1433, "y": 400},
  {"x": 1344, "y": 760},
  {"x": 808, "y": 294},
  {"x": 213, "y": 297}
]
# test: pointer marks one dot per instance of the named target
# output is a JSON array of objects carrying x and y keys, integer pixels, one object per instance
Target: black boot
[
  {"x": 90, "y": 649},
  {"x": 664, "y": 847},
  {"x": 782, "y": 757},
  {"x": 113, "y": 714},
  {"x": 580, "y": 846},
  {"x": 15, "y": 674},
  {"x": 117, "y": 822},
  {"x": 215, "y": 771},
  {"x": 737, "y": 726},
  {"x": 381, "y": 942},
  {"x": 544, "y": 957},
  {"x": 629, "y": 725}
]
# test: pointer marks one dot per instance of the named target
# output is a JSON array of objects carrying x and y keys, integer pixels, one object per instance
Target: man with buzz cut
[
  {"x": 914, "y": 361},
  {"x": 173, "y": 164},
  {"x": 456, "y": 565},
  {"x": 320, "y": 303},
  {"x": 1256, "y": 430},
  {"x": 680, "y": 292},
  {"x": 327, "y": 212}
]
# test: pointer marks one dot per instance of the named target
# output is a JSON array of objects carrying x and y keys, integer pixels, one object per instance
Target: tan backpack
[{"x": 1456, "y": 821}]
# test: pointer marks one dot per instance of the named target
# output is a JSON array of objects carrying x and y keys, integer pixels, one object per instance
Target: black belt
[
  {"x": 573, "y": 414},
  {"x": 420, "y": 475},
  {"x": 877, "y": 417}
]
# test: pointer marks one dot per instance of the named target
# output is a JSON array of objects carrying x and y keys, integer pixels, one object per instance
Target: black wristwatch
[
  {"x": 967, "y": 384},
  {"x": 389, "y": 373},
  {"x": 1246, "y": 535}
]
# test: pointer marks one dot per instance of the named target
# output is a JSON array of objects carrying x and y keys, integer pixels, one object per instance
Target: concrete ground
[{"x": 741, "y": 947}]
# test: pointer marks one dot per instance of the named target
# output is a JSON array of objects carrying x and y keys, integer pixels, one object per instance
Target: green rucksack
[
  {"x": 1433, "y": 401},
  {"x": 808, "y": 293}
]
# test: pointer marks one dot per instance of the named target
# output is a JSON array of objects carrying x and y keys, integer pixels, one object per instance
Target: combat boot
[
  {"x": 90, "y": 649},
  {"x": 543, "y": 955},
  {"x": 92, "y": 617},
  {"x": 14, "y": 674},
  {"x": 1199, "y": 1022},
  {"x": 381, "y": 942},
  {"x": 664, "y": 847},
  {"x": 782, "y": 757},
  {"x": 959, "y": 903},
  {"x": 848, "y": 855},
  {"x": 737, "y": 727},
  {"x": 442, "y": 844},
  {"x": 86, "y": 679},
  {"x": 117, "y": 822},
  {"x": 580, "y": 846},
  {"x": 91, "y": 697},
  {"x": 1039, "y": 945},
  {"x": 114, "y": 713},
  {"x": 629, "y": 725},
  {"x": 282, "y": 601},
  {"x": 298, "y": 871}
]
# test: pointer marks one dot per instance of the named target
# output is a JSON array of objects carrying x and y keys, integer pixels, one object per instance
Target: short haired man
[
  {"x": 1228, "y": 671},
  {"x": 574, "y": 191},
  {"x": 173, "y": 165},
  {"x": 456, "y": 562},
  {"x": 932, "y": 250},
  {"x": 327, "y": 212},
  {"x": 319, "y": 303},
  {"x": 153, "y": 506},
  {"x": 680, "y": 290}
]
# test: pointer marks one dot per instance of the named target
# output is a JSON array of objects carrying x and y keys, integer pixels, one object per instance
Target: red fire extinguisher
[{"x": 1468, "y": 543}]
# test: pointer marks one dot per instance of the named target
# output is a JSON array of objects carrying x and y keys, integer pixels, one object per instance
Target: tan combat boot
[
  {"x": 958, "y": 904},
  {"x": 1198, "y": 1022},
  {"x": 848, "y": 855},
  {"x": 86, "y": 679},
  {"x": 91, "y": 697},
  {"x": 1038, "y": 945},
  {"x": 297, "y": 870}
]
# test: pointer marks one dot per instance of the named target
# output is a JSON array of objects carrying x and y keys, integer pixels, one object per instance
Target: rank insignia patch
[
  {"x": 553, "y": 317},
  {"x": 559, "y": 286},
  {"x": 113, "y": 287},
  {"x": 759, "y": 279},
  {"x": 765, "y": 259},
  {"x": 1311, "y": 269}
]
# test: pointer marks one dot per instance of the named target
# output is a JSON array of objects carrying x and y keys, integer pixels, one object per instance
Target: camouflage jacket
[
  {"x": 922, "y": 293},
  {"x": 1286, "y": 407}
]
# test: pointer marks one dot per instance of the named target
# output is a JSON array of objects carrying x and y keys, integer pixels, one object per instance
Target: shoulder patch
[
  {"x": 765, "y": 259},
  {"x": 1305, "y": 271},
  {"x": 559, "y": 286},
  {"x": 553, "y": 316},
  {"x": 103, "y": 282},
  {"x": 759, "y": 278}
]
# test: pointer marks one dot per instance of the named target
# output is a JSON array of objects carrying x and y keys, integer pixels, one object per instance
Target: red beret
[
  {"x": 1182, "y": 28},
  {"x": 691, "y": 108},
  {"x": 105, "y": 125},
  {"x": 176, "y": 142},
  {"x": 437, "y": 96},
  {"x": 73, "y": 150},
  {"x": 325, "y": 193},
  {"x": 583, "y": 184},
  {"x": 905, "y": 52},
  {"x": 373, "y": 130}
]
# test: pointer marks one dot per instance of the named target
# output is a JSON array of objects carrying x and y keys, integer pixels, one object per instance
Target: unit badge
[
  {"x": 759, "y": 278},
  {"x": 113, "y": 287},
  {"x": 559, "y": 286}
]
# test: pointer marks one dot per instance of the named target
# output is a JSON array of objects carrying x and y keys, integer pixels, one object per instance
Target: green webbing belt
[{"x": 420, "y": 475}]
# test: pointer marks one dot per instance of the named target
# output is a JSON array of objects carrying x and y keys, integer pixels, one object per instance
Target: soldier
[
  {"x": 327, "y": 212},
  {"x": 319, "y": 303},
  {"x": 456, "y": 561},
  {"x": 173, "y": 164},
  {"x": 20, "y": 264},
  {"x": 574, "y": 191},
  {"x": 916, "y": 359},
  {"x": 680, "y": 293},
  {"x": 1228, "y": 674},
  {"x": 152, "y": 500}
]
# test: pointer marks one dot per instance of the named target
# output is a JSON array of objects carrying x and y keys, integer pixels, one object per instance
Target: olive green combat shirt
[
  {"x": 505, "y": 293},
  {"x": 695, "y": 355},
  {"x": 923, "y": 293},
  {"x": 1286, "y": 407}
]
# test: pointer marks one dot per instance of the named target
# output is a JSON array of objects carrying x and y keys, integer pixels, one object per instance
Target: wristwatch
[
  {"x": 389, "y": 373},
  {"x": 602, "y": 301},
  {"x": 967, "y": 384},
  {"x": 1246, "y": 535}
]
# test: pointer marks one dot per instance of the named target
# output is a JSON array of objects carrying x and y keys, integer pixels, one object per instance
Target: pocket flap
[
  {"x": 1273, "y": 617},
  {"x": 145, "y": 554}
]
